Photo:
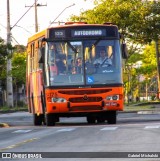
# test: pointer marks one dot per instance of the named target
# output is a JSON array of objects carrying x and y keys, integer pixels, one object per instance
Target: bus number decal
[{"x": 60, "y": 33}]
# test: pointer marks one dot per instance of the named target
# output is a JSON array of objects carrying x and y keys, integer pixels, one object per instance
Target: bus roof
[{"x": 37, "y": 36}]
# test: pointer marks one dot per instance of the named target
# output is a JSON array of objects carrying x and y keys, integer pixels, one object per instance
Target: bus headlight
[
  {"x": 113, "y": 97},
  {"x": 58, "y": 100}
]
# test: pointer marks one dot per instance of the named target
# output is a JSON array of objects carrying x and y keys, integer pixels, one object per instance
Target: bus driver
[{"x": 103, "y": 60}]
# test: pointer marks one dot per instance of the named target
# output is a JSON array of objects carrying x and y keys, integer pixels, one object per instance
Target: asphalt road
[{"x": 133, "y": 133}]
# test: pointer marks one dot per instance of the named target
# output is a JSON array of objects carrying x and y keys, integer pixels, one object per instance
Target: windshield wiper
[{"x": 72, "y": 47}]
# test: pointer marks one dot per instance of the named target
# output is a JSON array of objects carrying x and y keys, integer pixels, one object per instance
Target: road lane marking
[
  {"x": 152, "y": 127},
  {"x": 66, "y": 130},
  {"x": 109, "y": 128},
  {"x": 18, "y": 144},
  {"x": 21, "y": 131}
]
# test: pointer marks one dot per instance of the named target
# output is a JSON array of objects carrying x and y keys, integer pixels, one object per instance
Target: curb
[
  {"x": 12, "y": 111},
  {"x": 148, "y": 112}
]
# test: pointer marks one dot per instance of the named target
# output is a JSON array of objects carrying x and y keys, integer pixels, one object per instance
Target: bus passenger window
[{"x": 110, "y": 52}]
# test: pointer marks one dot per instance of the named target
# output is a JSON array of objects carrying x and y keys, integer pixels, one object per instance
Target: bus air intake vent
[
  {"x": 82, "y": 99},
  {"x": 86, "y": 108}
]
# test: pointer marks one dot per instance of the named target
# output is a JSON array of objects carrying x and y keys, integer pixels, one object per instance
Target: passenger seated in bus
[
  {"x": 71, "y": 67},
  {"x": 53, "y": 69},
  {"x": 76, "y": 67},
  {"x": 103, "y": 60},
  {"x": 60, "y": 65},
  {"x": 79, "y": 65}
]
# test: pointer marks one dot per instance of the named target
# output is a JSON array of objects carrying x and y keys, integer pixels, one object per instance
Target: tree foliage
[
  {"x": 3, "y": 58},
  {"x": 19, "y": 65},
  {"x": 136, "y": 19},
  {"x": 18, "y": 58},
  {"x": 149, "y": 66}
]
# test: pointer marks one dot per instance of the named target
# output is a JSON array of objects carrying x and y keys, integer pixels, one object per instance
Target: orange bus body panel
[{"x": 79, "y": 104}]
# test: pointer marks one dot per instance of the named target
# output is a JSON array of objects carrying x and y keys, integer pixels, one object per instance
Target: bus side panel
[
  {"x": 28, "y": 85},
  {"x": 31, "y": 93},
  {"x": 36, "y": 93},
  {"x": 39, "y": 91}
]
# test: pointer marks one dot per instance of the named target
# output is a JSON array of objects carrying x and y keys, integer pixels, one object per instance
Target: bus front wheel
[
  {"x": 38, "y": 119},
  {"x": 91, "y": 119},
  {"x": 112, "y": 117},
  {"x": 100, "y": 119},
  {"x": 50, "y": 121}
]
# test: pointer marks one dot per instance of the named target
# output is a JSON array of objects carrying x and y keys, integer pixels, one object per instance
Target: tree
[
  {"x": 149, "y": 66},
  {"x": 3, "y": 58},
  {"x": 18, "y": 57},
  {"x": 137, "y": 20},
  {"x": 19, "y": 67}
]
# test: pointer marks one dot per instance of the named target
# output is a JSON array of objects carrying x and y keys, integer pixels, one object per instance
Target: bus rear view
[{"x": 81, "y": 67}]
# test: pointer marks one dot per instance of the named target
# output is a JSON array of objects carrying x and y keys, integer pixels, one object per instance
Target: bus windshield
[{"x": 83, "y": 63}]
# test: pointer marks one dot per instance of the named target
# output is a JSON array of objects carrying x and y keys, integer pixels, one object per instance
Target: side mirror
[
  {"x": 124, "y": 51},
  {"x": 41, "y": 53}
]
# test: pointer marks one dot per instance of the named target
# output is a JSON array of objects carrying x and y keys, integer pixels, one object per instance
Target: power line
[
  {"x": 36, "y": 17},
  {"x": 24, "y": 14},
  {"x": 61, "y": 13}
]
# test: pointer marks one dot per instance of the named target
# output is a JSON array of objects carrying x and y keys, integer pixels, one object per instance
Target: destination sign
[
  {"x": 88, "y": 32},
  {"x": 80, "y": 32}
]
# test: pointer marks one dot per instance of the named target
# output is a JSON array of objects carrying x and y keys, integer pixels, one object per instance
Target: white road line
[
  {"x": 109, "y": 128},
  {"x": 66, "y": 130},
  {"x": 21, "y": 131},
  {"x": 152, "y": 127}
]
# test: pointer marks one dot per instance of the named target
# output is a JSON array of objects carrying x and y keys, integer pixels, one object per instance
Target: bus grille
[
  {"x": 82, "y": 99},
  {"x": 86, "y": 108}
]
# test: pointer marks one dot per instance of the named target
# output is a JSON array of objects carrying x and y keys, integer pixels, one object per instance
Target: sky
[{"x": 46, "y": 14}]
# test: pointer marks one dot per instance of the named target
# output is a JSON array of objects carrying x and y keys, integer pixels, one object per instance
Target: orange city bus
[{"x": 63, "y": 79}]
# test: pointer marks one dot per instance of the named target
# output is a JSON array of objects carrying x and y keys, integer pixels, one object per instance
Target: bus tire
[
  {"x": 91, "y": 119},
  {"x": 100, "y": 119},
  {"x": 43, "y": 108},
  {"x": 38, "y": 119},
  {"x": 50, "y": 121},
  {"x": 112, "y": 117}
]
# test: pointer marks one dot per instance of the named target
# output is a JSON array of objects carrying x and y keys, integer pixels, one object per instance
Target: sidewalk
[{"x": 143, "y": 107}]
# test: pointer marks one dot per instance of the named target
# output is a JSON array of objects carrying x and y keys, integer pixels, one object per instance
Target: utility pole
[
  {"x": 9, "y": 63},
  {"x": 36, "y": 16}
]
